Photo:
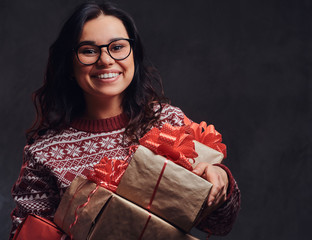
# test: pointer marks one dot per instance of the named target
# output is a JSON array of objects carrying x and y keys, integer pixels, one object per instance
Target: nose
[{"x": 105, "y": 59}]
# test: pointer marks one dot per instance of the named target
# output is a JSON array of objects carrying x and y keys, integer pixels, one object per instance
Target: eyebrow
[
  {"x": 93, "y": 42},
  {"x": 86, "y": 43}
]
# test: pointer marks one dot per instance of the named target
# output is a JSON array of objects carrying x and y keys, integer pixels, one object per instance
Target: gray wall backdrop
[{"x": 242, "y": 65}]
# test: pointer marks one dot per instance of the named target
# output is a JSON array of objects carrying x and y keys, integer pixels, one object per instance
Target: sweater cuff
[{"x": 230, "y": 177}]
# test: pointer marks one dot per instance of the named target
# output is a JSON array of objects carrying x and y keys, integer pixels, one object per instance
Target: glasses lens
[
  {"x": 88, "y": 54},
  {"x": 119, "y": 49}
]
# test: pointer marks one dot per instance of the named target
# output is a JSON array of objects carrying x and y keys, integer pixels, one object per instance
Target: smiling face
[{"x": 106, "y": 80}]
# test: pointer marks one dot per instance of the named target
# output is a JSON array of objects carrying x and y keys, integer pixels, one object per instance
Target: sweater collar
[{"x": 101, "y": 125}]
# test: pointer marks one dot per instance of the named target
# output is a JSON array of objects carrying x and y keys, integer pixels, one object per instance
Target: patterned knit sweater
[{"x": 53, "y": 161}]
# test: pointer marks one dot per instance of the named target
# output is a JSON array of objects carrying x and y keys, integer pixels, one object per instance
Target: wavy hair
[{"x": 60, "y": 99}]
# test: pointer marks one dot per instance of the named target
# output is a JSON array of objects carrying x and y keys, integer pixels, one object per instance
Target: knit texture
[{"x": 52, "y": 162}]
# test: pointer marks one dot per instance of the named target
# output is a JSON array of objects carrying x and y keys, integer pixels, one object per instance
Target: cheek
[
  {"x": 79, "y": 70},
  {"x": 130, "y": 66}
]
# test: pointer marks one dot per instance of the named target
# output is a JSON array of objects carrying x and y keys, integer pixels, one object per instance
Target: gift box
[
  {"x": 206, "y": 154},
  {"x": 159, "y": 176},
  {"x": 158, "y": 179},
  {"x": 36, "y": 227},
  {"x": 164, "y": 188},
  {"x": 88, "y": 211},
  {"x": 208, "y": 143}
]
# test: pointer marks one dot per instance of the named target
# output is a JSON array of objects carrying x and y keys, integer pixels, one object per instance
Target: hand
[{"x": 218, "y": 177}]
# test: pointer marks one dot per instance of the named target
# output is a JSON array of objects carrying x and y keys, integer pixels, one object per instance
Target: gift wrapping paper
[
  {"x": 164, "y": 188},
  {"x": 105, "y": 215},
  {"x": 36, "y": 227},
  {"x": 206, "y": 154}
]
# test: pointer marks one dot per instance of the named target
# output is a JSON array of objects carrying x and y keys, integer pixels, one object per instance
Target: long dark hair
[{"x": 60, "y": 99}]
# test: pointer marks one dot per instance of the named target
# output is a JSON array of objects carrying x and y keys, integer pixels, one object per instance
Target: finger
[
  {"x": 213, "y": 194},
  {"x": 223, "y": 181},
  {"x": 220, "y": 198},
  {"x": 217, "y": 187},
  {"x": 200, "y": 168}
]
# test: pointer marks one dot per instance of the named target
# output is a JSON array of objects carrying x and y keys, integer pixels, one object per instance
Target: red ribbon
[
  {"x": 171, "y": 142},
  {"x": 206, "y": 135},
  {"x": 157, "y": 184},
  {"x": 152, "y": 199},
  {"x": 81, "y": 206},
  {"x": 145, "y": 226},
  {"x": 108, "y": 172}
]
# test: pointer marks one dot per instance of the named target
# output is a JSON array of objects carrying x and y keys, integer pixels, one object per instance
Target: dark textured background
[{"x": 243, "y": 65}]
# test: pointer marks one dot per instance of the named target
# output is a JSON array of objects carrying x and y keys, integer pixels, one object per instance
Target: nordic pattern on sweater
[{"x": 53, "y": 161}]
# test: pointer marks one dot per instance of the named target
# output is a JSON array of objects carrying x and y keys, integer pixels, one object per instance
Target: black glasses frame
[{"x": 131, "y": 41}]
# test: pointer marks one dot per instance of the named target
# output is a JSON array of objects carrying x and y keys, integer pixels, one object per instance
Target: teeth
[{"x": 108, "y": 75}]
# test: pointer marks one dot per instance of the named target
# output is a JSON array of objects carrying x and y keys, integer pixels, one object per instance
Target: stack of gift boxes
[{"x": 154, "y": 196}]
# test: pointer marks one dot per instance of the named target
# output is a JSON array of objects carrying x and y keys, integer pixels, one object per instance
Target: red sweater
[{"x": 53, "y": 161}]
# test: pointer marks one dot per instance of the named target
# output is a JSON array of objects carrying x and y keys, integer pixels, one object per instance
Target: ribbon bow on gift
[
  {"x": 206, "y": 135},
  {"x": 171, "y": 142},
  {"x": 107, "y": 173}
]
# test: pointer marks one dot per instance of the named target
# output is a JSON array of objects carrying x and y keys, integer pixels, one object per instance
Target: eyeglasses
[{"x": 89, "y": 53}]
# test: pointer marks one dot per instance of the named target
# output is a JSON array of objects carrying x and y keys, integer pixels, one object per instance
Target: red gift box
[{"x": 34, "y": 227}]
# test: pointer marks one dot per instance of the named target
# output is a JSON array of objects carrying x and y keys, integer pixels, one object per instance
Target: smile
[{"x": 108, "y": 75}]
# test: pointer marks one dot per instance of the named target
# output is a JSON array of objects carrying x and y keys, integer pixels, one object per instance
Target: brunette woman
[{"x": 98, "y": 98}]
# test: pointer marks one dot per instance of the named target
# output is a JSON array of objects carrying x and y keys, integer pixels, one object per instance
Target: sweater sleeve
[
  {"x": 35, "y": 191},
  {"x": 172, "y": 115},
  {"x": 221, "y": 220}
]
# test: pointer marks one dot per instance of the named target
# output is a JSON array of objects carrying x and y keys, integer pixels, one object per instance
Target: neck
[{"x": 102, "y": 108}]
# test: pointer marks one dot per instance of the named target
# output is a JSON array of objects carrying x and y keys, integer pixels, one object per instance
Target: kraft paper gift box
[
  {"x": 208, "y": 143},
  {"x": 102, "y": 214},
  {"x": 206, "y": 154},
  {"x": 168, "y": 190},
  {"x": 165, "y": 188}
]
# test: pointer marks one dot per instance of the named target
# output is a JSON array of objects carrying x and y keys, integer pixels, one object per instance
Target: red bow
[
  {"x": 206, "y": 135},
  {"x": 108, "y": 172},
  {"x": 171, "y": 142}
]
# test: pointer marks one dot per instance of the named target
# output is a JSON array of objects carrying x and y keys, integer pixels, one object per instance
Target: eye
[
  {"x": 115, "y": 47},
  {"x": 119, "y": 46},
  {"x": 88, "y": 50}
]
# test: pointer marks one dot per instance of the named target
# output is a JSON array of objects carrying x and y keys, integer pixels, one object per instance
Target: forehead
[{"x": 103, "y": 29}]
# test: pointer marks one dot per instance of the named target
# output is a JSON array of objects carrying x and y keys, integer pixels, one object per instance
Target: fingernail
[
  {"x": 209, "y": 204},
  {"x": 195, "y": 171}
]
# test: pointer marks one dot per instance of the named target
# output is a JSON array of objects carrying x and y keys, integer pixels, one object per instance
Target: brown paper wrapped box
[
  {"x": 180, "y": 197},
  {"x": 206, "y": 154},
  {"x": 108, "y": 216}
]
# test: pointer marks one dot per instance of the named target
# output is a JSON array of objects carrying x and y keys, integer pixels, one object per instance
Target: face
[{"x": 108, "y": 78}]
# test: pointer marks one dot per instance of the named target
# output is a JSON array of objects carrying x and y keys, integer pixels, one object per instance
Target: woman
[{"x": 99, "y": 98}]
